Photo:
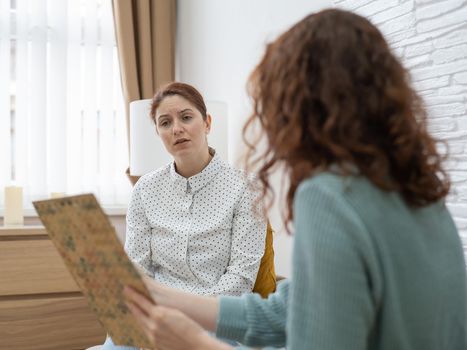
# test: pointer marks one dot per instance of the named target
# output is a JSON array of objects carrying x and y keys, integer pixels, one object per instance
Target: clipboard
[{"x": 92, "y": 252}]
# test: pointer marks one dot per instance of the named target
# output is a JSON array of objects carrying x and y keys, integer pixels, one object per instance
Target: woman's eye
[
  {"x": 164, "y": 124},
  {"x": 186, "y": 117}
]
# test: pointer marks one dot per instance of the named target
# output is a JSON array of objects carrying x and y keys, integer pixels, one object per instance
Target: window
[{"x": 62, "y": 124}]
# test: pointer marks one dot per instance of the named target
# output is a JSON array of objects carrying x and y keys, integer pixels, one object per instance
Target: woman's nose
[{"x": 177, "y": 128}]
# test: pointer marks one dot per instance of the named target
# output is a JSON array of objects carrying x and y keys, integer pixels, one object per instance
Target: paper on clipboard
[{"x": 87, "y": 242}]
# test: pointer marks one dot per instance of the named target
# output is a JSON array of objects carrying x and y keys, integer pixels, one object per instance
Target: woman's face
[{"x": 181, "y": 127}]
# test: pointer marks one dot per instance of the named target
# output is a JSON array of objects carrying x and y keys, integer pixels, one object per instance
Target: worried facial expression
[{"x": 181, "y": 127}]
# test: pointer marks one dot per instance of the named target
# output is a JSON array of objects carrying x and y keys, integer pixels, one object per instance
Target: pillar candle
[
  {"x": 57, "y": 194},
  {"x": 13, "y": 214}
]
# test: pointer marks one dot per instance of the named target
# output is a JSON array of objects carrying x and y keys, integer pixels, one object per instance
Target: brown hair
[
  {"x": 186, "y": 91},
  {"x": 330, "y": 92}
]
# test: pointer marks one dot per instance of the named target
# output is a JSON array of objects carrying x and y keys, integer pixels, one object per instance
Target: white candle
[
  {"x": 13, "y": 214},
  {"x": 57, "y": 194}
]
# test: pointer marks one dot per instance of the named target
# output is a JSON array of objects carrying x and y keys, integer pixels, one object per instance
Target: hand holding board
[{"x": 87, "y": 242}]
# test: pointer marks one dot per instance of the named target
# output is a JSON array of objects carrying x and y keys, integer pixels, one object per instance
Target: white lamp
[{"x": 147, "y": 152}]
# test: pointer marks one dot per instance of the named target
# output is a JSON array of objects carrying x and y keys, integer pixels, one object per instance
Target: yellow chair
[{"x": 266, "y": 280}]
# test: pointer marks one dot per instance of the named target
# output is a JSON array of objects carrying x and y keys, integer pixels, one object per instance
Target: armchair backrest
[{"x": 266, "y": 279}]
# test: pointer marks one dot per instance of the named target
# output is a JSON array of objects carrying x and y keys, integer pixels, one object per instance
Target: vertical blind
[{"x": 62, "y": 124}]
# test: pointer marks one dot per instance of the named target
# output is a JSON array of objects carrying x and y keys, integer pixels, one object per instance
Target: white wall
[
  {"x": 219, "y": 44},
  {"x": 431, "y": 39}
]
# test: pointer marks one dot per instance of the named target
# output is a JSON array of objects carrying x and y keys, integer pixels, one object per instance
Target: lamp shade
[{"x": 147, "y": 152}]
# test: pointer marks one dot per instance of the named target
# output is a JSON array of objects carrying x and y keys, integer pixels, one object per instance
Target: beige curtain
[{"x": 145, "y": 32}]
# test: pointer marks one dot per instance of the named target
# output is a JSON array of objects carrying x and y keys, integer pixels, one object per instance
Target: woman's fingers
[
  {"x": 143, "y": 319},
  {"x": 141, "y": 308},
  {"x": 148, "y": 281},
  {"x": 140, "y": 315},
  {"x": 153, "y": 287},
  {"x": 137, "y": 298},
  {"x": 166, "y": 327}
]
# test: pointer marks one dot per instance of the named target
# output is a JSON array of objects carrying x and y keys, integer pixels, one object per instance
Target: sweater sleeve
[
  {"x": 254, "y": 321},
  {"x": 331, "y": 306}
]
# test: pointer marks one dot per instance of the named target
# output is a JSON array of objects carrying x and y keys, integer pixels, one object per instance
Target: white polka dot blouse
[{"x": 199, "y": 234}]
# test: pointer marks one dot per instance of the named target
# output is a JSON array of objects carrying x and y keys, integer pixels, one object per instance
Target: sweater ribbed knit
[{"x": 369, "y": 272}]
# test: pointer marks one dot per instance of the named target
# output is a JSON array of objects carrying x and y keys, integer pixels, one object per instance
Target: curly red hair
[{"x": 329, "y": 91}]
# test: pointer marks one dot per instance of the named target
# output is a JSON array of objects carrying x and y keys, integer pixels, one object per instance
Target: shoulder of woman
[
  {"x": 325, "y": 181},
  {"x": 238, "y": 175},
  {"x": 153, "y": 177},
  {"x": 339, "y": 188}
]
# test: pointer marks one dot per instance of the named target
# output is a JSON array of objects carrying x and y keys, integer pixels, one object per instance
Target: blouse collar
[{"x": 198, "y": 181}]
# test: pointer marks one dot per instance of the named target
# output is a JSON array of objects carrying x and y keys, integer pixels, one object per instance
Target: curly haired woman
[{"x": 377, "y": 263}]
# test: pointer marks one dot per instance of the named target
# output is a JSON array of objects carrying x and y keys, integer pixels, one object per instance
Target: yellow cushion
[{"x": 266, "y": 279}]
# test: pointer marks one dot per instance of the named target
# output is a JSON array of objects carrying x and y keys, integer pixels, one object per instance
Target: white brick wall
[{"x": 430, "y": 37}]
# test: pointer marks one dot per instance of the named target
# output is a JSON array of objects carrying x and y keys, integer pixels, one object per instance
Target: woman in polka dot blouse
[{"x": 192, "y": 223}]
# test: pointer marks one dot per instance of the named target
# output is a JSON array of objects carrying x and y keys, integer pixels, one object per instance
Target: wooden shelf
[
  {"x": 19, "y": 231},
  {"x": 41, "y": 307}
]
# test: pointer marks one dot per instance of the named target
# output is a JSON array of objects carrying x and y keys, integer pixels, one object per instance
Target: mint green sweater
[{"x": 369, "y": 272}]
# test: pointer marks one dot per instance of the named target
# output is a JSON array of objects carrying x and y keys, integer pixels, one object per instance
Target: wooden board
[
  {"x": 48, "y": 324},
  {"x": 93, "y": 254}
]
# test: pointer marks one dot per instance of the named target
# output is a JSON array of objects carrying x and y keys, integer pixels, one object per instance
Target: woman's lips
[{"x": 178, "y": 142}]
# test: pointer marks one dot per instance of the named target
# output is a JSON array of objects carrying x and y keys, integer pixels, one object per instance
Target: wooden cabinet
[{"x": 41, "y": 307}]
